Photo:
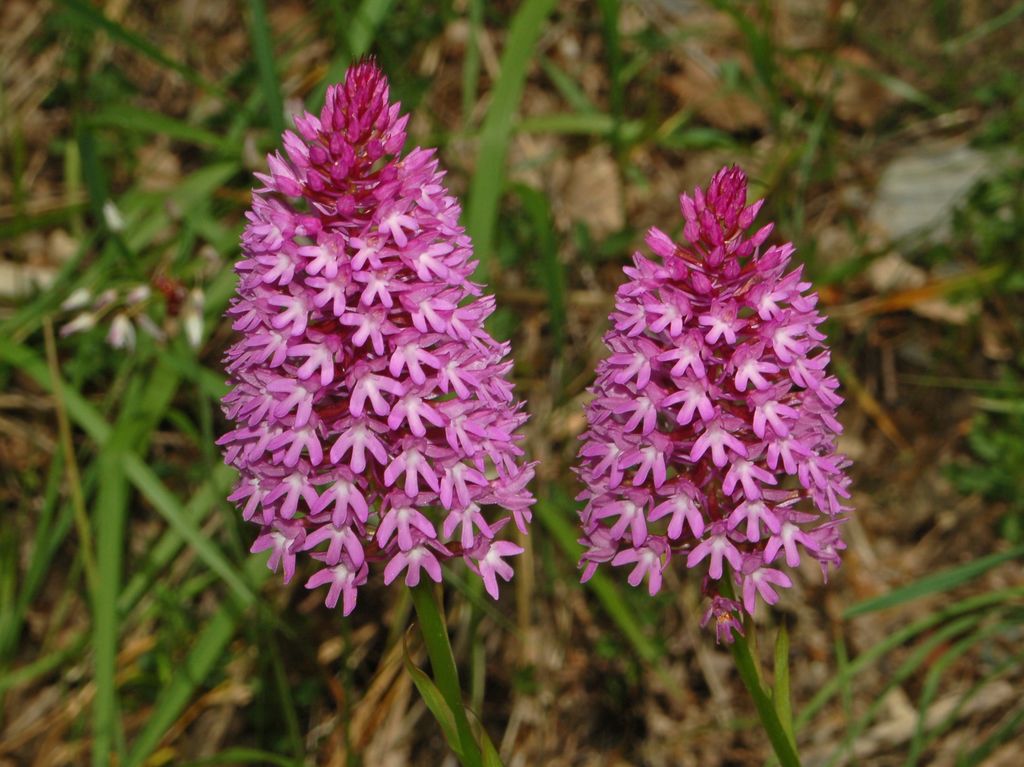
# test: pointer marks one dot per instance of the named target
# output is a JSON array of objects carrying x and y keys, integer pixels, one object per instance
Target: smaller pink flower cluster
[
  {"x": 712, "y": 430},
  {"x": 374, "y": 418}
]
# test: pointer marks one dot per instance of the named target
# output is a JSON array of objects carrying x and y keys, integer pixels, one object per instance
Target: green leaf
[
  {"x": 489, "y": 177},
  {"x": 781, "y": 694},
  {"x": 490, "y": 753},
  {"x": 109, "y": 517},
  {"x": 923, "y": 736},
  {"x": 28, "y": 673},
  {"x": 247, "y": 756},
  {"x": 160, "y": 556},
  {"x": 782, "y": 743},
  {"x": 199, "y": 664},
  {"x": 92, "y": 16},
  {"x": 431, "y": 617},
  {"x": 130, "y": 465},
  {"x": 555, "y": 517},
  {"x": 897, "y": 638},
  {"x": 567, "y": 86},
  {"x": 943, "y": 581},
  {"x": 171, "y": 509},
  {"x": 550, "y": 269},
  {"x": 434, "y": 701},
  {"x": 581, "y": 123},
  {"x": 914, "y": 662},
  {"x": 139, "y": 120},
  {"x": 142, "y": 404},
  {"x": 263, "y": 52},
  {"x": 364, "y": 24}
]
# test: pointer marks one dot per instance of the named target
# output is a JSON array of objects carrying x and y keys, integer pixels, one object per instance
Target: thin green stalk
[
  {"x": 488, "y": 181},
  {"x": 263, "y": 51},
  {"x": 442, "y": 664},
  {"x": 784, "y": 750},
  {"x": 70, "y": 462},
  {"x": 750, "y": 673}
]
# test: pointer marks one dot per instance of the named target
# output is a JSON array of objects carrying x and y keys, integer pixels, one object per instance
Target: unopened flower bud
[
  {"x": 122, "y": 333},
  {"x": 138, "y": 294},
  {"x": 79, "y": 297},
  {"x": 112, "y": 216},
  {"x": 192, "y": 317},
  {"x": 82, "y": 322}
]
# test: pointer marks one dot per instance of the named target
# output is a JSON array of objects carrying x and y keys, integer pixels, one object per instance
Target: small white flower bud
[
  {"x": 112, "y": 216},
  {"x": 78, "y": 298},
  {"x": 138, "y": 294},
  {"x": 150, "y": 328},
  {"x": 104, "y": 299},
  {"x": 84, "y": 321},
  {"x": 192, "y": 317},
  {"x": 122, "y": 333}
]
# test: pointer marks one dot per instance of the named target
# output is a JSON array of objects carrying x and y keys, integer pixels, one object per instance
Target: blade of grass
[
  {"x": 135, "y": 119},
  {"x": 1003, "y": 733},
  {"x": 284, "y": 695},
  {"x": 843, "y": 664},
  {"x": 555, "y": 517},
  {"x": 922, "y": 734},
  {"x": 97, "y": 188},
  {"x": 166, "y": 548},
  {"x": 613, "y": 56},
  {"x": 985, "y": 28},
  {"x": 580, "y": 123},
  {"x": 488, "y": 179},
  {"x": 435, "y": 703},
  {"x": 896, "y": 639},
  {"x": 110, "y": 512},
  {"x": 362, "y": 30},
  {"x": 263, "y": 52},
  {"x": 471, "y": 63},
  {"x": 364, "y": 24},
  {"x": 549, "y": 269},
  {"x": 30, "y": 672},
  {"x": 780, "y": 694},
  {"x": 904, "y": 671},
  {"x": 9, "y": 623},
  {"x": 898, "y": 87},
  {"x": 93, "y": 17},
  {"x": 567, "y": 86},
  {"x": 47, "y": 538},
  {"x": 20, "y": 224},
  {"x": 135, "y": 469},
  {"x": 945, "y": 580},
  {"x": 433, "y": 629},
  {"x": 761, "y": 48},
  {"x": 200, "y": 662},
  {"x": 248, "y": 756},
  {"x": 142, "y": 405},
  {"x": 70, "y": 462},
  {"x": 171, "y": 509}
]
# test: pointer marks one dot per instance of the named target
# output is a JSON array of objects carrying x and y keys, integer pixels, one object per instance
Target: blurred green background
[{"x": 135, "y": 629}]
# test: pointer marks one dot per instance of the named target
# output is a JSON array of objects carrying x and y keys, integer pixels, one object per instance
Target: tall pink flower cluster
[
  {"x": 375, "y": 424},
  {"x": 712, "y": 431}
]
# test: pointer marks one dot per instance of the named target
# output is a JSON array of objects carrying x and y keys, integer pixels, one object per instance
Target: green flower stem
[
  {"x": 442, "y": 665},
  {"x": 784, "y": 749}
]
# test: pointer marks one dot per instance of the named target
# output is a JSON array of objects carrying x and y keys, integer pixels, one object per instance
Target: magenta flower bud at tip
[
  {"x": 712, "y": 432},
  {"x": 374, "y": 427}
]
